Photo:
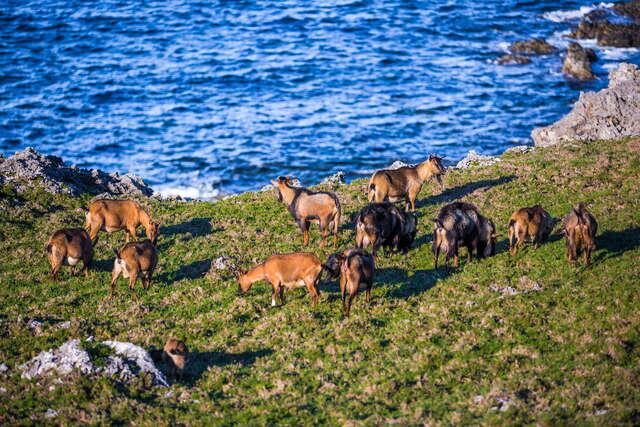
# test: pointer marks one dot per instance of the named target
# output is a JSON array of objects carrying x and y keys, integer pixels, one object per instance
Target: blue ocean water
[{"x": 200, "y": 97}]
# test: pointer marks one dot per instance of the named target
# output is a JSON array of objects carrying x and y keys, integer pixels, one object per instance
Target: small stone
[
  {"x": 65, "y": 325},
  {"x": 513, "y": 59},
  {"x": 51, "y": 413},
  {"x": 336, "y": 178},
  {"x": 521, "y": 149},
  {"x": 3, "y": 367}
]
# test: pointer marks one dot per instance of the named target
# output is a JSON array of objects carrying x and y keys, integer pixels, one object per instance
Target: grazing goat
[
  {"x": 68, "y": 247},
  {"x": 175, "y": 354},
  {"x": 356, "y": 268},
  {"x": 405, "y": 182},
  {"x": 133, "y": 260},
  {"x": 580, "y": 228},
  {"x": 460, "y": 224},
  {"x": 116, "y": 215},
  {"x": 307, "y": 206},
  {"x": 291, "y": 270},
  {"x": 384, "y": 224},
  {"x": 534, "y": 222}
]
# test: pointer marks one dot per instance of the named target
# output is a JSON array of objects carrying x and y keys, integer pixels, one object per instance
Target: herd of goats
[{"x": 378, "y": 224}]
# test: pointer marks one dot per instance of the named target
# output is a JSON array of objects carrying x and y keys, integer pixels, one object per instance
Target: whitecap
[{"x": 574, "y": 15}]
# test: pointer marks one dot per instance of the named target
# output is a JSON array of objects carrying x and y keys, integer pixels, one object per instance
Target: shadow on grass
[
  {"x": 196, "y": 226},
  {"x": 455, "y": 193},
  {"x": 200, "y": 362},
  {"x": 403, "y": 286},
  {"x": 615, "y": 243},
  {"x": 195, "y": 270}
]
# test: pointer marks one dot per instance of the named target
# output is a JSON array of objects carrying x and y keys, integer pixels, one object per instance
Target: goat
[
  {"x": 405, "y": 182},
  {"x": 533, "y": 222},
  {"x": 460, "y": 224},
  {"x": 580, "y": 228},
  {"x": 116, "y": 215},
  {"x": 175, "y": 354},
  {"x": 133, "y": 260},
  {"x": 285, "y": 270},
  {"x": 69, "y": 246},
  {"x": 356, "y": 268},
  {"x": 307, "y": 206},
  {"x": 385, "y": 225}
]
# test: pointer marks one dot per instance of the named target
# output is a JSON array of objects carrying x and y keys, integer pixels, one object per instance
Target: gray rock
[
  {"x": 577, "y": 63},
  {"x": 336, "y": 178},
  {"x": 521, "y": 149},
  {"x": 611, "y": 113},
  {"x": 513, "y": 59},
  {"x": 397, "y": 165},
  {"x": 141, "y": 357},
  {"x": 70, "y": 356},
  {"x": 474, "y": 159},
  {"x": 533, "y": 46},
  {"x": 65, "y": 325},
  {"x": 27, "y": 167},
  {"x": 3, "y": 367},
  {"x": 51, "y": 413}
]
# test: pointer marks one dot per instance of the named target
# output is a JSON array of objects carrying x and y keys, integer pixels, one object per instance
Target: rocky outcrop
[
  {"x": 335, "y": 179},
  {"x": 28, "y": 167},
  {"x": 474, "y": 159},
  {"x": 533, "y": 46},
  {"x": 128, "y": 362},
  {"x": 513, "y": 59},
  {"x": 608, "y": 33},
  {"x": 611, "y": 113},
  {"x": 577, "y": 63},
  {"x": 630, "y": 9}
]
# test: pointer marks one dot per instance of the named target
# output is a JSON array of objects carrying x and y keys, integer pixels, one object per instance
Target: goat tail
[
  {"x": 87, "y": 222},
  {"x": 372, "y": 192}
]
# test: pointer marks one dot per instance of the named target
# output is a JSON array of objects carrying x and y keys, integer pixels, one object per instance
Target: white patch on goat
[{"x": 72, "y": 261}]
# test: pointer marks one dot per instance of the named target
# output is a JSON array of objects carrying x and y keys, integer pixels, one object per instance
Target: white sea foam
[
  {"x": 188, "y": 192},
  {"x": 617, "y": 54},
  {"x": 574, "y": 15}
]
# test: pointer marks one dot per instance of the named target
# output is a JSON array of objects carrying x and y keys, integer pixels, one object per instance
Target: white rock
[{"x": 141, "y": 357}]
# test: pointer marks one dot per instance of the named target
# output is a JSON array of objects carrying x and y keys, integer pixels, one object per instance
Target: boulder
[
  {"x": 578, "y": 62},
  {"x": 335, "y": 179},
  {"x": 513, "y": 59},
  {"x": 630, "y": 9},
  {"x": 474, "y": 159},
  {"x": 27, "y": 168},
  {"x": 533, "y": 46},
  {"x": 611, "y": 113}
]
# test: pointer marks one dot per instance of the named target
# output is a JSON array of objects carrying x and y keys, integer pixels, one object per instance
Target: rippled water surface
[{"x": 224, "y": 95}]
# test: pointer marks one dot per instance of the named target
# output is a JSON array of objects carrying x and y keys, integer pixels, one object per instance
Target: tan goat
[
  {"x": 533, "y": 222},
  {"x": 580, "y": 228},
  {"x": 307, "y": 206},
  {"x": 175, "y": 354},
  {"x": 291, "y": 270},
  {"x": 405, "y": 182},
  {"x": 68, "y": 247},
  {"x": 133, "y": 260},
  {"x": 116, "y": 215}
]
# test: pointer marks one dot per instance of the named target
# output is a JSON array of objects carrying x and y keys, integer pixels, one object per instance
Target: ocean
[{"x": 218, "y": 97}]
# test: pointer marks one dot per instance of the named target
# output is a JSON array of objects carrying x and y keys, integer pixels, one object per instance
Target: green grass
[{"x": 434, "y": 346}]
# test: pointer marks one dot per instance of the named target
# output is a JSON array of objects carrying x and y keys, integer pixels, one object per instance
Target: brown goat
[
  {"x": 287, "y": 270},
  {"x": 405, "y": 182},
  {"x": 175, "y": 354},
  {"x": 133, "y": 260},
  {"x": 68, "y": 247},
  {"x": 534, "y": 222},
  {"x": 580, "y": 228},
  {"x": 116, "y": 215},
  {"x": 357, "y": 270},
  {"x": 307, "y": 206}
]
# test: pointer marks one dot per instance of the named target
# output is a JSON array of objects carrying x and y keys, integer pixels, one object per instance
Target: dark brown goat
[
  {"x": 356, "y": 268},
  {"x": 460, "y": 224},
  {"x": 175, "y": 354},
  {"x": 307, "y": 206},
  {"x": 68, "y": 247},
  {"x": 385, "y": 225},
  {"x": 405, "y": 182},
  {"x": 580, "y": 228},
  {"x": 533, "y": 222},
  {"x": 133, "y": 260}
]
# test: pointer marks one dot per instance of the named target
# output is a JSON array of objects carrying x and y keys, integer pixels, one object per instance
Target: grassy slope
[{"x": 434, "y": 345}]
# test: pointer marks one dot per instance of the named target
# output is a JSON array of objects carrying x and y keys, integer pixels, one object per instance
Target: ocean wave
[
  {"x": 187, "y": 192},
  {"x": 574, "y": 15}
]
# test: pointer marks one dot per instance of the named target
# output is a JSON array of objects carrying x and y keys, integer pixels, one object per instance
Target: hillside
[{"x": 501, "y": 340}]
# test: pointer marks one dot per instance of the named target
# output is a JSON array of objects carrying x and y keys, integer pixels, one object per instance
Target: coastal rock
[
  {"x": 533, "y": 46},
  {"x": 513, "y": 59},
  {"x": 474, "y": 159},
  {"x": 630, "y": 9},
  {"x": 520, "y": 149},
  {"x": 27, "y": 167},
  {"x": 608, "y": 33},
  {"x": 578, "y": 62},
  {"x": 611, "y": 113},
  {"x": 131, "y": 361},
  {"x": 397, "y": 165},
  {"x": 335, "y": 179}
]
